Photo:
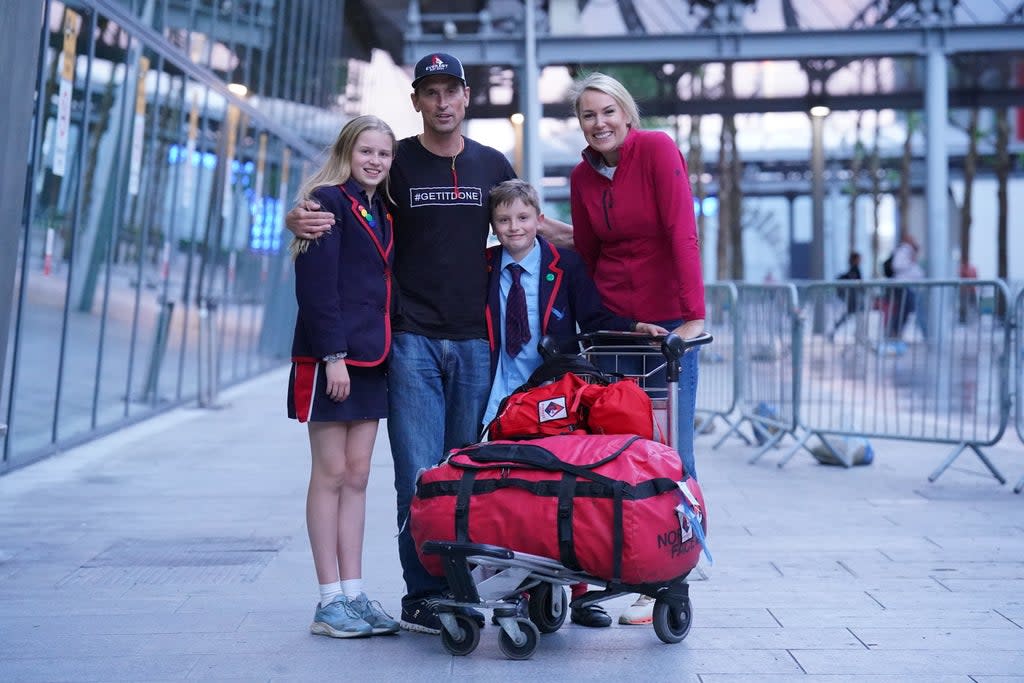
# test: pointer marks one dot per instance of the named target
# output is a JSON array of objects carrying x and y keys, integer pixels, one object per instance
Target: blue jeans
[
  {"x": 687, "y": 393},
  {"x": 437, "y": 391}
]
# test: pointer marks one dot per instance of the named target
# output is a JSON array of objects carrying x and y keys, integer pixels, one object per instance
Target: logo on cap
[{"x": 436, "y": 64}]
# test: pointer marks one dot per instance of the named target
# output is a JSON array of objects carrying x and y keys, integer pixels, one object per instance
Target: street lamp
[{"x": 517, "y": 127}]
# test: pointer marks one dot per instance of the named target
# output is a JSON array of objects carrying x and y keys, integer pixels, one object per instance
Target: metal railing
[
  {"x": 1018, "y": 372},
  {"x": 924, "y": 361},
  {"x": 766, "y": 365},
  {"x": 928, "y": 361},
  {"x": 717, "y": 390}
]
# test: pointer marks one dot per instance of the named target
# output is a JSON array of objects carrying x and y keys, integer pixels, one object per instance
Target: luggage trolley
[{"x": 493, "y": 577}]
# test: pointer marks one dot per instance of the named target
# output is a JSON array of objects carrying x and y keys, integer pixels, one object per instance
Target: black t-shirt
[{"x": 441, "y": 235}]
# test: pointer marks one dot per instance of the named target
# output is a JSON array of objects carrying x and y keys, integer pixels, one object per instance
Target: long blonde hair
[
  {"x": 337, "y": 168},
  {"x": 604, "y": 83}
]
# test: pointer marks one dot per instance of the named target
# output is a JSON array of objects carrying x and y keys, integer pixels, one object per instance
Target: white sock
[
  {"x": 351, "y": 588},
  {"x": 329, "y": 591}
]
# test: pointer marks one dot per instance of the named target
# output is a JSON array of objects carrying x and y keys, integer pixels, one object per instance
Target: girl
[{"x": 337, "y": 383}]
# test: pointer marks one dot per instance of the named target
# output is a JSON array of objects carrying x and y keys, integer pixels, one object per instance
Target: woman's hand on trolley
[
  {"x": 690, "y": 329},
  {"x": 650, "y": 329}
]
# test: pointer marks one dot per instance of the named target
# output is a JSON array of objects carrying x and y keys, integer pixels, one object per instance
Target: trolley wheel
[
  {"x": 525, "y": 650},
  {"x": 672, "y": 622},
  {"x": 548, "y": 607},
  {"x": 470, "y": 636}
]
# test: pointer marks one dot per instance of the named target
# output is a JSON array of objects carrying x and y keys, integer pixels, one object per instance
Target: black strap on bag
[
  {"x": 566, "y": 544},
  {"x": 462, "y": 506}
]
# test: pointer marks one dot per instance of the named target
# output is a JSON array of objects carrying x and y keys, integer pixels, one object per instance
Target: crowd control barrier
[
  {"x": 717, "y": 388},
  {"x": 925, "y": 361},
  {"x": 767, "y": 363},
  {"x": 1018, "y": 364}
]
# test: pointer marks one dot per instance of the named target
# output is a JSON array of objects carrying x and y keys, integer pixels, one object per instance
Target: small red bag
[
  {"x": 618, "y": 408},
  {"x": 546, "y": 410},
  {"x": 570, "y": 405}
]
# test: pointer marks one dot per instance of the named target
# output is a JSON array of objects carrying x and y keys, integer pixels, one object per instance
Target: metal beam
[
  {"x": 909, "y": 100},
  {"x": 158, "y": 44},
  {"x": 719, "y": 46}
]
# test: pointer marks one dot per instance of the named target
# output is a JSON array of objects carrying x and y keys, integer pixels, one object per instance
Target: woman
[
  {"x": 634, "y": 228},
  {"x": 338, "y": 384}
]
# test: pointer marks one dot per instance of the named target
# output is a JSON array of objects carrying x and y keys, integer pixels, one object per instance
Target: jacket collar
[{"x": 595, "y": 160}]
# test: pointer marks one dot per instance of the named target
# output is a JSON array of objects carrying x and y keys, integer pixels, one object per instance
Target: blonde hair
[
  {"x": 604, "y": 83},
  {"x": 337, "y": 168},
  {"x": 509, "y": 191}
]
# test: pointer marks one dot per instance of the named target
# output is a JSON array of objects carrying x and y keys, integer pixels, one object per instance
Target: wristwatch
[{"x": 334, "y": 357}]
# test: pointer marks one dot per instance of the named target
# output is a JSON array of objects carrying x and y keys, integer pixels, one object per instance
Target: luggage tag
[{"x": 689, "y": 510}]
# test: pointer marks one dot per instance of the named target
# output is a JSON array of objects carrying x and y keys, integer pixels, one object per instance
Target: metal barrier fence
[
  {"x": 767, "y": 362},
  {"x": 717, "y": 389},
  {"x": 1018, "y": 373},
  {"x": 926, "y": 362}
]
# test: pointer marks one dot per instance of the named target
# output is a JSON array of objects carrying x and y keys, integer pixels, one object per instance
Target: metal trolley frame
[{"x": 494, "y": 577}]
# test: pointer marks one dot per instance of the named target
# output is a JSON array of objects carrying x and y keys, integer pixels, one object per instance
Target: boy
[{"x": 536, "y": 289}]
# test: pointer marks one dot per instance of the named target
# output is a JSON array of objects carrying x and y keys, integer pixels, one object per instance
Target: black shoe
[
  {"x": 418, "y": 616},
  {"x": 593, "y": 616}
]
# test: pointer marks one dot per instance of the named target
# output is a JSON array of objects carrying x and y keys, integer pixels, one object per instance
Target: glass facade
[{"x": 152, "y": 267}]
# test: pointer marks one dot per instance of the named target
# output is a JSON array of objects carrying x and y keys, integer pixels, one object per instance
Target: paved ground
[{"x": 176, "y": 550}]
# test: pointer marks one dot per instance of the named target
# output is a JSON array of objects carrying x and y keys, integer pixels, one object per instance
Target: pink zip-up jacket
[{"x": 637, "y": 233}]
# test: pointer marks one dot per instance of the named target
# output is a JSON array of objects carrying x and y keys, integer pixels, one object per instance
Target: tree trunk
[
  {"x": 874, "y": 168},
  {"x": 970, "y": 166},
  {"x": 856, "y": 163},
  {"x": 695, "y": 159},
  {"x": 736, "y": 204},
  {"x": 904, "y": 196},
  {"x": 1002, "y": 178}
]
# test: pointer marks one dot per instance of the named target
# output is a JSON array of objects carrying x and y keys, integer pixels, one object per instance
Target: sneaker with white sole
[
  {"x": 339, "y": 619},
  {"x": 373, "y": 614},
  {"x": 640, "y": 612}
]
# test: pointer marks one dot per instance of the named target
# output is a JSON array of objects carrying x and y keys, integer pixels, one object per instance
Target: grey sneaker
[
  {"x": 373, "y": 614},
  {"x": 339, "y": 619}
]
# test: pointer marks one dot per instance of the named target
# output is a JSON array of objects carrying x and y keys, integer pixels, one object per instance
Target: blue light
[{"x": 709, "y": 208}]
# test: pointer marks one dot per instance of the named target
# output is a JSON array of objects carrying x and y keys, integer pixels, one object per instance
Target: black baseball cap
[{"x": 438, "y": 64}]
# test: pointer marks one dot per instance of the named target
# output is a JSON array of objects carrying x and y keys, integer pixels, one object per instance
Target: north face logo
[{"x": 551, "y": 409}]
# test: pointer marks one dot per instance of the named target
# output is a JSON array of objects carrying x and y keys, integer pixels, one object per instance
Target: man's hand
[
  {"x": 307, "y": 221},
  {"x": 556, "y": 232}
]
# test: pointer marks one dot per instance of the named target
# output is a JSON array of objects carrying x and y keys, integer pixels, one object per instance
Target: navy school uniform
[
  {"x": 343, "y": 285},
  {"x": 567, "y": 297}
]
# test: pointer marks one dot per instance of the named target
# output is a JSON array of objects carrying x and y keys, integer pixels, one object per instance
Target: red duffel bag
[{"x": 615, "y": 507}]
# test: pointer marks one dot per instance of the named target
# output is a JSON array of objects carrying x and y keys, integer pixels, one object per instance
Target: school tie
[{"x": 517, "y": 326}]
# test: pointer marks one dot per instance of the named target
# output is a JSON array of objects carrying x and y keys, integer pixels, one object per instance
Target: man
[{"x": 439, "y": 372}]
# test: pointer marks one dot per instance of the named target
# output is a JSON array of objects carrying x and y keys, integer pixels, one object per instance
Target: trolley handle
[{"x": 672, "y": 346}]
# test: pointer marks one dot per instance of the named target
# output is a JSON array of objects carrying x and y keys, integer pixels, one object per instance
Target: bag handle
[{"x": 531, "y": 455}]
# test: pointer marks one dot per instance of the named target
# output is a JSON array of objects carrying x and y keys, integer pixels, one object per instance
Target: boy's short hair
[{"x": 510, "y": 190}]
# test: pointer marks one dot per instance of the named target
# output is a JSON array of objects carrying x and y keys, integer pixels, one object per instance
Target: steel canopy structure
[{"x": 930, "y": 29}]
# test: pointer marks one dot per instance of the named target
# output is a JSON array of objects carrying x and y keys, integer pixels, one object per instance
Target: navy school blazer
[
  {"x": 343, "y": 282},
  {"x": 567, "y": 296}
]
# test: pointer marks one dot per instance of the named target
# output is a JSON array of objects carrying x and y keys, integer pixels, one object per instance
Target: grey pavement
[{"x": 176, "y": 550}]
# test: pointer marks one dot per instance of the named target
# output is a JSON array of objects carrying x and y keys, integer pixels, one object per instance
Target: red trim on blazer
[
  {"x": 384, "y": 252},
  {"x": 553, "y": 267}
]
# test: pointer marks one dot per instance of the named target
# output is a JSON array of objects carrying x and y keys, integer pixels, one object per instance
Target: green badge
[{"x": 550, "y": 277}]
